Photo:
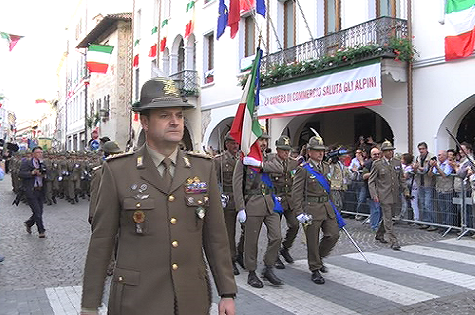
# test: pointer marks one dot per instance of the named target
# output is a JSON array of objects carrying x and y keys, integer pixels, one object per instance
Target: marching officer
[
  {"x": 255, "y": 207},
  {"x": 386, "y": 181},
  {"x": 164, "y": 206},
  {"x": 224, "y": 165},
  {"x": 283, "y": 187},
  {"x": 313, "y": 208},
  {"x": 48, "y": 180}
]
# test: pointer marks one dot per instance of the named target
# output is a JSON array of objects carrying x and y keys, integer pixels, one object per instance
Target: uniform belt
[
  {"x": 319, "y": 199},
  {"x": 227, "y": 189},
  {"x": 282, "y": 190},
  {"x": 263, "y": 191}
]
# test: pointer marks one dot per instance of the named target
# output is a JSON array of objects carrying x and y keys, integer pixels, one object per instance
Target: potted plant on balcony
[{"x": 209, "y": 76}]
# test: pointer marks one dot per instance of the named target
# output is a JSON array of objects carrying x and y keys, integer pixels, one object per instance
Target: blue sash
[
  {"x": 324, "y": 183},
  {"x": 268, "y": 182}
]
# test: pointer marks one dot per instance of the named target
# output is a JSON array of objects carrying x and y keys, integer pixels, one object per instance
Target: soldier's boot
[
  {"x": 285, "y": 253},
  {"x": 324, "y": 269},
  {"x": 254, "y": 281},
  {"x": 76, "y": 198},
  {"x": 270, "y": 276},
  {"x": 279, "y": 264},
  {"x": 235, "y": 269},
  {"x": 54, "y": 199},
  {"x": 317, "y": 277},
  {"x": 240, "y": 260}
]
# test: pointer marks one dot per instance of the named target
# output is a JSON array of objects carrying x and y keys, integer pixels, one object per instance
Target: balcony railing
[
  {"x": 187, "y": 82},
  {"x": 377, "y": 32}
]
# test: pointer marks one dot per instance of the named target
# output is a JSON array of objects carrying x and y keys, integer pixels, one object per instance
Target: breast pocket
[
  {"x": 138, "y": 213},
  {"x": 197, "y": 206}
]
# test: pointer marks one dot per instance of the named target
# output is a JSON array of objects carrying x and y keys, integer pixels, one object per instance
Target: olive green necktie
[{"x": 167, "y": 177}]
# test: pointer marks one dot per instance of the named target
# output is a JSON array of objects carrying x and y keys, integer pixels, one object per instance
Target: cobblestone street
[{"x": 431, "y": 274}]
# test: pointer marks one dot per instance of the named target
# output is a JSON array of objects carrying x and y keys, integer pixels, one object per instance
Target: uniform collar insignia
[
  {"x": 187, "y": 162},
  {"x": 139, "y": 161}
]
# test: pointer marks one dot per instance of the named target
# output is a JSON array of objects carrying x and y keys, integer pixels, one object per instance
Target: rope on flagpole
[
  {"x": 306, "y": 24},
  {"x": 253, "y": 13}
]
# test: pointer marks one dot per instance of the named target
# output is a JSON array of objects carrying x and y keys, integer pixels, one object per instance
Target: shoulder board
[
  {"x": 199, "y": 154},
  {"x": 96, "y": 168},
  {"x": 116, "y": 156}
]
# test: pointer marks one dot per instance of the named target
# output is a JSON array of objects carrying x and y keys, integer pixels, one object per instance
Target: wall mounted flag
[
  {"x": 461, "y": 16},
  {"x": 190, "y": 10},
  {"x": 153, "y": 51},
  {"x": 40, "y": 101},
  {"x": 222, "y": 19},
  {"x": 98, "y": 58},
  {"x": 12, "y": 39},
  {"x": 164, "y": 33}
]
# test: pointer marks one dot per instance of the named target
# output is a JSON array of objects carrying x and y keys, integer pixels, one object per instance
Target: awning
[{"x": 344, "y": 89}]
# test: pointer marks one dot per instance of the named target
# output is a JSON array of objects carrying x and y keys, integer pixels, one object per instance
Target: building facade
[{"x": 337, "y": 66}]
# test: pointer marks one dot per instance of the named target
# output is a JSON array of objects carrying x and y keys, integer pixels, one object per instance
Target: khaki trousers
[
  {"x": 253, "y": 227},
  {"x": 316, "y": 248},
  {"x": 386, "y": 226}
]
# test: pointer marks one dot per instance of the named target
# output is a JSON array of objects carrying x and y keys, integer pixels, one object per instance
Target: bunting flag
[
  {"x": 12, "y": 39},
  {"x": 234, "y": 16},
  {"x": 40, "y": 101},
  {"x": 246, "y": 128},
  {"x": 98, "y": 58},
  {"x": 137, "y": 41},
  {"x": 461, "y": 16},
  {"x": 190, "y": 10},
  {"x": 154, "y": 30},
  {"x": 153, "y": 51},
  {"x": 136, "y": 61},
  {"x": 164, "y": 33},
  {"x": 163, "y": 44},
  {"x": 222, "y": 19}
]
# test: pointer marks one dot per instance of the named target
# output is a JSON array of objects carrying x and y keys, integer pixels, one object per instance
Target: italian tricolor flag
[
  {"x": 190, "y": 10},
  {"x": 246, "y": 128},
  {"x": 98, "y": 57},
  {"x": 461, "y": 15}
]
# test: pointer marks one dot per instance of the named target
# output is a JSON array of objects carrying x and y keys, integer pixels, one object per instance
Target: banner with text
[{"x": 341, "y": 90}]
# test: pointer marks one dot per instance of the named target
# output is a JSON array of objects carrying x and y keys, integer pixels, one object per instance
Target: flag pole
[{"x": 355, "y": 244}]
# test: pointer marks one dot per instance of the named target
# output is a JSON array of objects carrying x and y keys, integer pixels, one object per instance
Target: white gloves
[
  {"x": 305, "y": 218},
  {"x": 242, "y": 216},
  {"x": 251, "y": 162}
]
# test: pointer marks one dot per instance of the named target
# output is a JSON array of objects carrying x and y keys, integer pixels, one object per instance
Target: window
[
  {"x": 209, "y": 57},
  {"x": 332, "y": 16},
  {"x": 250, "y": 37},
  {"x": 181, "y": 57},
  {"x": 289, "y": 23},
  {"x": 388, "y": 8}
]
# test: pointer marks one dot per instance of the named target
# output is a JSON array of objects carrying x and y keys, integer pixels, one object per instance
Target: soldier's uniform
[
  {"x": 48, "y": 180},
  {"x": 166, "y": 212},
  {"x": 386, "y": 181},
  {"x": 309, "y": 197},
  {"x": 283, "y": 187},
  {"x": 255, "y": 197},
  {"x": 225, "y": 164}
]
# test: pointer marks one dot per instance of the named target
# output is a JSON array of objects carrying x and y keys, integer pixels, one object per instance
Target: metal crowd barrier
[{"x": 445, "y": 210}]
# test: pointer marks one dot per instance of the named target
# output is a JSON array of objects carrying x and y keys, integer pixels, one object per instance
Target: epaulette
[
  {"x": 199, "y": 154},
  {"x": 119, "y": 155}
]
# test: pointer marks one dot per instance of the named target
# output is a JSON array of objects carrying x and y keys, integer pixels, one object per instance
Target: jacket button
[
  {"x": 138, "y": 205},
  {"x": 173, "y": 221},
  {"x": 171, "y": 198},
  {"x": 174, "y": 266},
  {"x": 175, "y": 243},
  {"x": 121, "y": 279}
]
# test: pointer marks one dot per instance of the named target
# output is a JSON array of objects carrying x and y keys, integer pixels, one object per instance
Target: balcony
[
  {"x": 187, "y": 82},
  {"x": 364, "y": 41}
]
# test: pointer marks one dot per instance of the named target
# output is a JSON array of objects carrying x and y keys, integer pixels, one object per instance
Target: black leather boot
[
  {"x": 254, "y": 281},
  {"x": 317, "y": 277},
  {"x": 279, "y": 264},
  {"x": 285, "y": 253},
  {"x": 235, "y": 269},
  {"x": 270, "y": 276}
]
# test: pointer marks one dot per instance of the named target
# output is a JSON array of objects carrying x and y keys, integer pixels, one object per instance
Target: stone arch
[
  {"x": 190, "y": 53},
  {"x": 336, "y": 127},
  {"x": 177, "y": 55},
  {"x": 166, "y": 61},
  {"x": 453, "y": 122}
]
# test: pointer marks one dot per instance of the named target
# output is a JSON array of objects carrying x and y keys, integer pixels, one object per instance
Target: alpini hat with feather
[
  {"x": 160, "y": 92},
  {"x": 316, "y": 142},
  {"x": 283, "y": 143}
]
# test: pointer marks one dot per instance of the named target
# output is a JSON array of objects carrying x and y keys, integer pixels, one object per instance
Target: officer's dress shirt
[{"x": 158, "y": 158}]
